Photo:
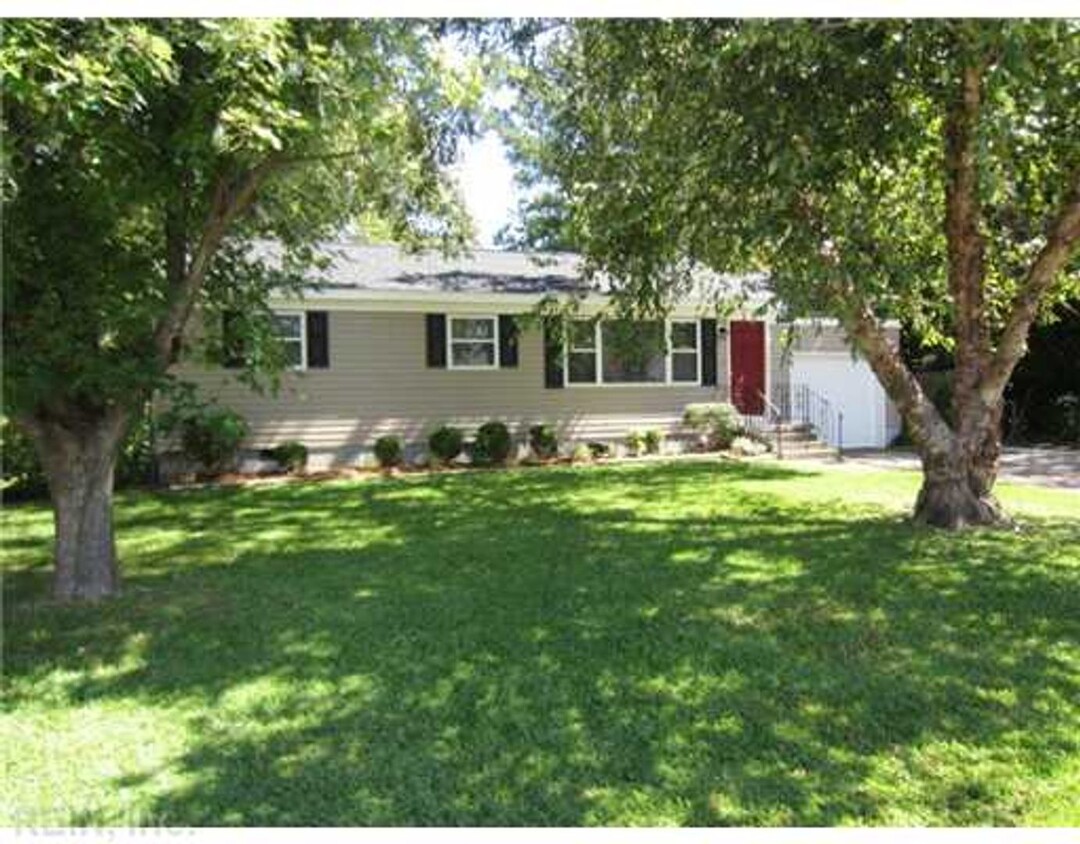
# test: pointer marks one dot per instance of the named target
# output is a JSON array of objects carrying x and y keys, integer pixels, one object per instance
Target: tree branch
[
  {"x": 929, "y": 430},
  {"x": 1063, "y": 238},
  {"x": 230, "y": 200},
  {"x": 965, "y": 242}
]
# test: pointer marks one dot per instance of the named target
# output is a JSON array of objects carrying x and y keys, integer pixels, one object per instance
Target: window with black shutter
[
  {"x": 436, "y": 340},
  {"x": 318, "y": 340},
  {"x": 508, "y": 342}
]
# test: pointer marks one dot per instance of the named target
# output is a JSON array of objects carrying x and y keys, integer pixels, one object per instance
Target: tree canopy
[
  {"x": 925, "y": 170},
  {"x": 144, "y": 162}
]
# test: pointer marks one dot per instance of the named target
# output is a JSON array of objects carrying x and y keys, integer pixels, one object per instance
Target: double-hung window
[
  {"x": 289, "y": 329},
  {"x": 473, "y": 342},
  {"x": 685, "y": 352},
  {"x": 582, "y": 355},
  {"x": 633, "y": 352}
]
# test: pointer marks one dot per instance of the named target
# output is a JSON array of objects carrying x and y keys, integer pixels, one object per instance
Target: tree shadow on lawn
[{"x": 563, "y": 648}]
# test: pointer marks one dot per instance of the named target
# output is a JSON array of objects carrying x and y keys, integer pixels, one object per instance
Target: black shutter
[
  {"x": 318, "y": 340},
  {"x": 508, "y": 341},
  {"x": 436, "y": 340},
  {"x": 232, "y": 340},
  {"x": 708, "y": 352},
  {"x": 553, "y": 355}
]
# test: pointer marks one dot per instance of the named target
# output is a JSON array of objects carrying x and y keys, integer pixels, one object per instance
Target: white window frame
[
  {"x": 302, "y": 315},
  {"x": 594, "y": 350},
  {"x": 673, "y": 350},
  {"x": 599, "y": 351},
  {"x": 494, "y": 341}
]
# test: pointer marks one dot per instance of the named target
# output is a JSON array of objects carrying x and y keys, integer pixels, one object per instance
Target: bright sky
[{"x": 487, "y": 181}]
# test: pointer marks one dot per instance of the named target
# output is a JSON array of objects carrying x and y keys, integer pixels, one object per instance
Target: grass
[{"x": 689, "y": 643}]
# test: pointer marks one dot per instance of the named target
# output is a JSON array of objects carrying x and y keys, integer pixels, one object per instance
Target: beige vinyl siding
[{"x": 378, "y": 383}]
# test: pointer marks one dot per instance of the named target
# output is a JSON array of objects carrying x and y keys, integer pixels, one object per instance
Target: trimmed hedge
[
  {"x": 493, "y": 444},
  {"x": 389, "y": 451},
  {"x": 445, "y": 443},
  {"x": 291, "y": 456}
]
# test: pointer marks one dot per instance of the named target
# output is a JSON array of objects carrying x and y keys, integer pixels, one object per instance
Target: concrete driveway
[{"x": 1052, "y": 466}]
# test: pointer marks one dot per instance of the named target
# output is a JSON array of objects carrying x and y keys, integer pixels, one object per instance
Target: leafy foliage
[
  {"x": 635, "y": 443},
  {"x": 653, "y": 440},
  {"x": 718, "y": 420},
  {"x": 22, "y": 476},
  {"x": 209, "y": 435},
  {"x": 446, "y": 443},
  {"x": 140, "y": 153},
  {"x": 493, "y": 443},
  {"x": 808, "y": 149}
]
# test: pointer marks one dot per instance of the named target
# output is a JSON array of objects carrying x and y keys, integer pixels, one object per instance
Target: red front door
[{"x": 748, "y": 366}]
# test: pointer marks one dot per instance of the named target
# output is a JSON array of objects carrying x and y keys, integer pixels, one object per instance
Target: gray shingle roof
[{"x": 387, "y": 269}]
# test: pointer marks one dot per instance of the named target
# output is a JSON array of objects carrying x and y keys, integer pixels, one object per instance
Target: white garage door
[{"x": 851, "y": 387}]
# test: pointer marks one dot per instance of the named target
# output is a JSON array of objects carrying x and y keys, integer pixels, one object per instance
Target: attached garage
[{"x": 850, "y": 387}]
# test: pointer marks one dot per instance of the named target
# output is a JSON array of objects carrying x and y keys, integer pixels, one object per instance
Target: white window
[
  {"x": 582, "y": 353},
  {"x": 633, "y": 352},
  {"x": 473, "y": 342},
  {"x": 289, "y": 329},
  {"x": 685, "y": 356},
  {"x": 629, "y": 352}
]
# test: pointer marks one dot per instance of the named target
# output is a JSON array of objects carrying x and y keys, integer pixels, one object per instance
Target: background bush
[
  {"x": 22, "y": 474},
  {"x": 291, "y": 455},
  {"x": 209, "y": 435},
  {"x": 582, "y": 454},
  {"x": 599, "y": 449},
  {"x": 653, "y": 439},
  {"x": 543, "y": 441},
  {"x": 719, "y": 421},
  {"x": 635, "y": 443},
  {"x": 389, "y": 451},
  {"x": 445, "y": 443},
  {"x": 493, "y": 444}
]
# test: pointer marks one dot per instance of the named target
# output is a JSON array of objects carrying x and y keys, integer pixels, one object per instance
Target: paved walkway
[{"x": 1047, "y": 466}]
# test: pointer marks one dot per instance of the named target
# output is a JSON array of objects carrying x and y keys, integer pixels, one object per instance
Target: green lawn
[{"x": 694, "y": 643}]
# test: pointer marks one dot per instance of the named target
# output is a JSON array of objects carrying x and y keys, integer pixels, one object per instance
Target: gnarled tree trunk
[
  {"x": 956, "y": 491},
  {"x": 79, "y": 460}
]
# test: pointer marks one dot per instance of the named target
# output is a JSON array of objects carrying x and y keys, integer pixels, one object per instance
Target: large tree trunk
[
  {"x": 955, "y": 492},
  {"x": 79, "y": 458}
]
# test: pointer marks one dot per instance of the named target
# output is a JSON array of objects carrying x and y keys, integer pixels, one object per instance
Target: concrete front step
[
  {"x": 790, "y": 428},
  {"x": 820, "y": 452}
]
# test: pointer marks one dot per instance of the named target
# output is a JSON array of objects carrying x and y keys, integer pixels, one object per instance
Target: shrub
[
  {"x": 389, "y": 451},
  {"x": 635, "y": 443},
  {"x": 582, "y": 454},
  {"x": 209, "y": 435},
  {"x": 22, "y": 473},
  {"x": 719, "y": 421},
  {"x": 543, "y": 441},
  {"x": 1067, "y": 406},
  {"x": 445, "y": 443},
  {"x": 290, "y": 455},
  {"x": 136, "y": 462},
  {"x": 599, "y": 449},
  {"x": 654, "y": 439},
  {"x": 493, "y": 444}
]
